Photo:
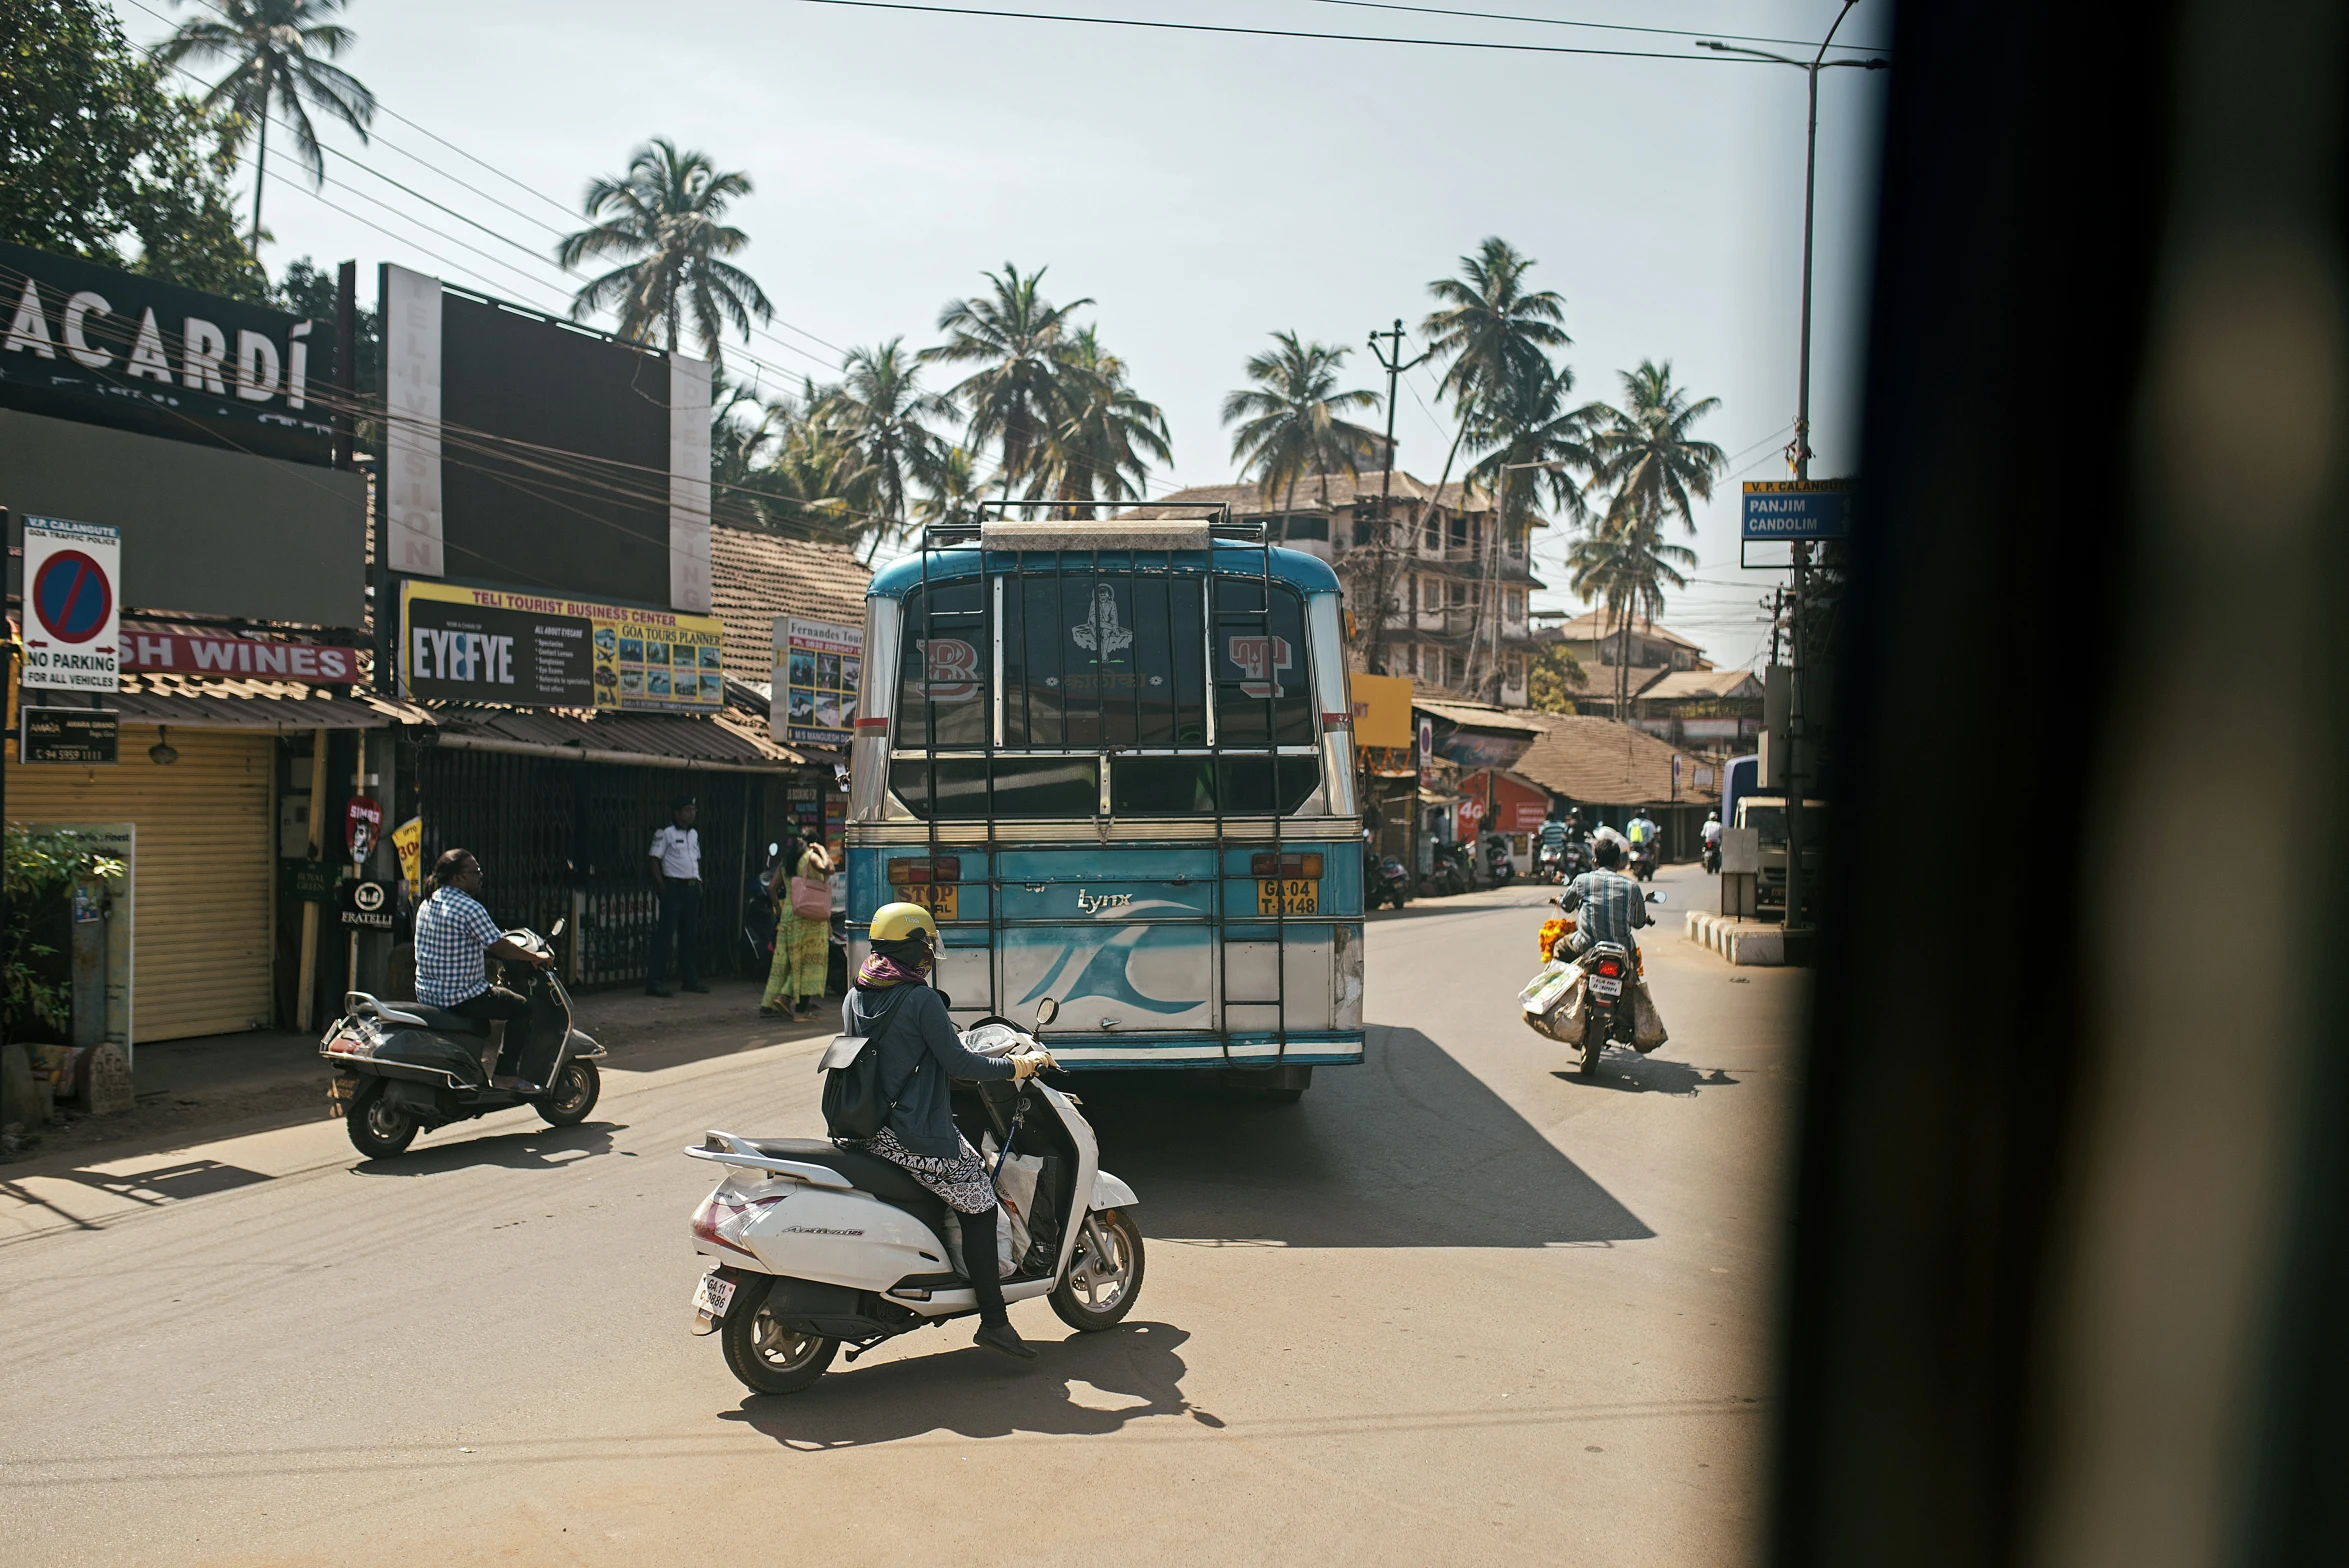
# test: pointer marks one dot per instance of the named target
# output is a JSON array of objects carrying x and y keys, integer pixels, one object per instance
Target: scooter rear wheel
[
  {"x": 379, "y": 1129},
  {"x": 767, "y": 1357}
]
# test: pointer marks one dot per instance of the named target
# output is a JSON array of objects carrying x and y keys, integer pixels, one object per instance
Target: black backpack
[{"x": 855, "y": 1107}]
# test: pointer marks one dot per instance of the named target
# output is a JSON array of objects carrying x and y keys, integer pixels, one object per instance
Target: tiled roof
[
  {"x": 735, "y": 736},
  {"x": 755, "y": 577},
  {"x": 1715, "y": 684},
  {"x": 1594, "y": 626},
  {"x": 1478, "y": 716},
  {"x": 196, "y": 702},
  {"x": 1600, "y": 762}
]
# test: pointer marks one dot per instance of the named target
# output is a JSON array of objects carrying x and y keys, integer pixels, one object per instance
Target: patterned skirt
[{"x": 961, "y": 1179}]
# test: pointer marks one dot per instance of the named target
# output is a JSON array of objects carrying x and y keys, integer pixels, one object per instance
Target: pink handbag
[{"x": 811, "y": 898}]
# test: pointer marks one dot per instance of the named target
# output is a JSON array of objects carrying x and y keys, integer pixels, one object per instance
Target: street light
[{"x": 1799, "y": 450}]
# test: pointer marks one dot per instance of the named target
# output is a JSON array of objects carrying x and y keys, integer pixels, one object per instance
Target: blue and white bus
[{"x": 1116, "y": 761}]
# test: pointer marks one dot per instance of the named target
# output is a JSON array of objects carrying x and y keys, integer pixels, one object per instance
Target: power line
[
  {"x": 1275, "y": 32},
  {"x": 1607, "y": 27}
]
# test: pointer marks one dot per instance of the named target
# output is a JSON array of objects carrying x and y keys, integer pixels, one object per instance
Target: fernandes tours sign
[{"x": 532, "y": 651}]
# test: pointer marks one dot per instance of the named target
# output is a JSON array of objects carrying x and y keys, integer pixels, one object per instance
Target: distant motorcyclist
[
  {"x": 1609, "y": 905},
  {"x": 1712, "y": 832},
  {"x": 1640, "y": 829},
  {"x": 1554, "y": 834}
]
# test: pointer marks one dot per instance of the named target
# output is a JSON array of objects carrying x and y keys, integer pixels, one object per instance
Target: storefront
[
  {"x": 197, "y": 787},
  {"x": 1495, "y": 801}
]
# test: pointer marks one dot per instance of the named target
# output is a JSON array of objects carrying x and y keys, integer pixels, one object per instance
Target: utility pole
[
  {"x": 1394, "y": 364},
  {"x": 1798, "y": 451}
]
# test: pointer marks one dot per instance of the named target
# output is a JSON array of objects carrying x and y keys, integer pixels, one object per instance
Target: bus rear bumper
[{"x": 1094, "y": 1053}]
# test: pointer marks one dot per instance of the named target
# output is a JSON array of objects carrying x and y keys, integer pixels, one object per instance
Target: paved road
[{"x": 1457, "y": 1306}]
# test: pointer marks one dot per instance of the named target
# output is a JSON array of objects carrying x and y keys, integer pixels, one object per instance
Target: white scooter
[{"x": 817, "y": 1244}]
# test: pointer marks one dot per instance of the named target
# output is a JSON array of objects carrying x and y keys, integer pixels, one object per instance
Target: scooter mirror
[
  {"x": 1655, "y": 898},
  {"x": 558, "y": 928},
  {"x": 773, "y": 850},
  {"x": 1046, "y": 1011}
]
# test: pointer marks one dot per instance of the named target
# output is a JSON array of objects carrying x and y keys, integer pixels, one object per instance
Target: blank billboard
[{"x": 527, "y": 453}]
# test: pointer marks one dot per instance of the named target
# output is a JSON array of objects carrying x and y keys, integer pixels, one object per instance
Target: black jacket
[{"x": 919, "y": 1054}]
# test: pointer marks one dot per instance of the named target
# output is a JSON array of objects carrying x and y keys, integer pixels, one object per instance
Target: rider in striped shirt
[{"x": 1610, "y": 904}]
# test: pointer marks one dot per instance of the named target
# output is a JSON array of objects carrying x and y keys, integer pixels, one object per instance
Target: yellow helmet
[{"x": 896, "y": 922}]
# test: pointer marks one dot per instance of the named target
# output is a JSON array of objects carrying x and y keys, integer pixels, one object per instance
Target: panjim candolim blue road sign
[{"x": 1792, "y": 509}]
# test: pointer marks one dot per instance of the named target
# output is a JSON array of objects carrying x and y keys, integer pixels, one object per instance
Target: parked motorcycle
[
  {"x": 1450, "y": 872},
  {"x": 817, "y": 1244},
  {"x": 402, "y": 1067},
  {"x": 1390, "y": 882},
  {"x": 1499, "y": 869}
]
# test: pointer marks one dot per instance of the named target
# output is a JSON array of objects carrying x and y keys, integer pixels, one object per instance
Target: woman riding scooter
[{"x": 919, "y": 1055}]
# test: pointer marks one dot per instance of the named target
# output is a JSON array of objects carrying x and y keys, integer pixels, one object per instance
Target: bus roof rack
[{"x": 1196, "y": 532}]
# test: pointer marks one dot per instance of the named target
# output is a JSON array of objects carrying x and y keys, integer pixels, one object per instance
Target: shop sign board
[
  {"x": 408, "y": 843},
  {"x": 817, "y": 669},
  {"x": 78, "y": 737},
  {"x": 72, "y": 607},
  {"x": 362, "y": 827},
  {"x": 534, "y": 651},
  {"x": 249, "y": 658},
  {"x": 1784, "y": 510},
  {"x": 1382, "y": 710},
  {"x": 310, "y": 881},
  {"x": 98, "y": 345},
  {"x": 366, "y": 905}
]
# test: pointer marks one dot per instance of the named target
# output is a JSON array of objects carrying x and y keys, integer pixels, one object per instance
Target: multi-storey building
[{"x": 1443, "y": 573}]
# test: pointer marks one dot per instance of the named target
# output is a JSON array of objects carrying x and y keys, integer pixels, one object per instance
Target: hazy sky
[{"x": 1206, "y": 190}]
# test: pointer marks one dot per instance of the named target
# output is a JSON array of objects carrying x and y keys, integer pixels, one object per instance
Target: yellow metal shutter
[{"x": 200, "y": 936}]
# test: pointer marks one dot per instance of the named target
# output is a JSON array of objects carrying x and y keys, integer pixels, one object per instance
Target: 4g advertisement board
[{"x": 534, "y": 651}]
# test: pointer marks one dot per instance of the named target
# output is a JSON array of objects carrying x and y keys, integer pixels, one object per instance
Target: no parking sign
[{"x": 72, "y": 608}]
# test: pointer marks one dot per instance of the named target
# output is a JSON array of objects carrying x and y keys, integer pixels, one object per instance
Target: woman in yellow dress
[{"x": 803, "y": 943}]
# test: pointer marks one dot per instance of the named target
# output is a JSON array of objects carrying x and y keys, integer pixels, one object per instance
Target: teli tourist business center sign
[{"x": 533, "y": 651}]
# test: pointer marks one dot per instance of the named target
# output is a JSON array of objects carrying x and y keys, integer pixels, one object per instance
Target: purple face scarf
[{"x": 878, "y": 973}]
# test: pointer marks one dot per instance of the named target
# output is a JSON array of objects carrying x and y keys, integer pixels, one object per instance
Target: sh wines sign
[{"x": 107, "y": 347}]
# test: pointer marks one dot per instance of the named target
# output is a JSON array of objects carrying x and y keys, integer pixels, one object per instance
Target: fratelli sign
[{"x": 102, "y": 346}]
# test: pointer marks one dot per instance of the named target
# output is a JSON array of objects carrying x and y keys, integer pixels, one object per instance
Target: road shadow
[
  {"x": 1626, "y": 1073},
  {"x": 1087, "y": 1385},
  {"x": 170, "y": 1183},
  {"x": 1408, "y": 1150},
  {"x": 533, "y": 1149}
]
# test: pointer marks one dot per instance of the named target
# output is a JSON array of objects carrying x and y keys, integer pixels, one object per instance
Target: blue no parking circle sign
[{"x": 73, "y": 603}]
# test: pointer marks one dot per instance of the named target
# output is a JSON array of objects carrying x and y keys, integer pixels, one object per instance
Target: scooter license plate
[
  {"x": 713, "y": 1295},
  {"x": 1601, "y": 985}
]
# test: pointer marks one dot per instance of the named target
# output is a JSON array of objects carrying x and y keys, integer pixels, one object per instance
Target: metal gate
[{"x": 564, "y": 840}]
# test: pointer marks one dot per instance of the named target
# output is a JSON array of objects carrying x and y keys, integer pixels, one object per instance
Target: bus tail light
[
  {"x": 1307, "y": 867},
  {"x": 945, "y": 870}
]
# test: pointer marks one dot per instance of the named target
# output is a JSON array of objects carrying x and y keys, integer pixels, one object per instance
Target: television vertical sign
[{"x": 73, "y": 610}]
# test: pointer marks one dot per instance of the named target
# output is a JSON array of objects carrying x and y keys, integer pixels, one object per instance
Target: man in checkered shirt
[
  {"x": 1611, "y": 905},
  {"x": 455, "y": 939}
]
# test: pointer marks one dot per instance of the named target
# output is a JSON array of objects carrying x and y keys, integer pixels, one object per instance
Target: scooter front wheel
[
  {"x": 573, "y": 1094},
  {"x": 379, "y": 1129},
  {"x": 1104, "y": 1276},
  {"x": 769, "y": 1358}
]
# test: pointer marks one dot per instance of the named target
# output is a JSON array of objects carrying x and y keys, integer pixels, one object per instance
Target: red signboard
[
  {"x": 362, "y": 827},
  {"x": 1517, "y": 807},
  {"x": 179, "y": 653}
]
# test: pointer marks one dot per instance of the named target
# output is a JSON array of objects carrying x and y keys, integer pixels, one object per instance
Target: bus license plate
[
  {"x": 1287, "y": 896},
  {"x": 943, "y": 903}
]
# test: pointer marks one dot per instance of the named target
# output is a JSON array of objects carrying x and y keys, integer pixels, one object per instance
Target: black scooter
[
  {"x": 1390, "y": 882},
  {"x": 401, "y": 1067}
]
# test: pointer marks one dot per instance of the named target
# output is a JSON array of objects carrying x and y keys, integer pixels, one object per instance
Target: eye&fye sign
[
  {"x": 488, "y": 645},
  {"x": 72, "y": 609}
]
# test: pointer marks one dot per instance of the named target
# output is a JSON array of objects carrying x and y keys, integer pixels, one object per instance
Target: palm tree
[
  {"x": 1625, "y": 563},
  {"x": 1492, "y": 330},
  {"x": 952, "y": 491},
  {"x": 1290, "y": 423},
  {"x": 1103, "y": 447},
  {"x": 1527, "y": 420},
  {"x": 881, "y": 411},
  {"x": 661, "y": 220},
  {"x": 278, "y": 52},
  {"x": 1646, "y": 456},
  {"x": 1026, "y": 346}
]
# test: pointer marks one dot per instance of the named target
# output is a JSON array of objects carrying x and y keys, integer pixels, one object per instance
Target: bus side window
[
  {"x": 1260, "y": 666},
  {"x": 945, "y": 668}
]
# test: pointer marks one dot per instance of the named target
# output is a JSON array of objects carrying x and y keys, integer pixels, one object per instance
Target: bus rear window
[
  {"x": 1102, "y": 659},
  {"x": 1263, "y": 691},
  {"x": 945, "y": 640},
  {"x": 956, "y": 789}
]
